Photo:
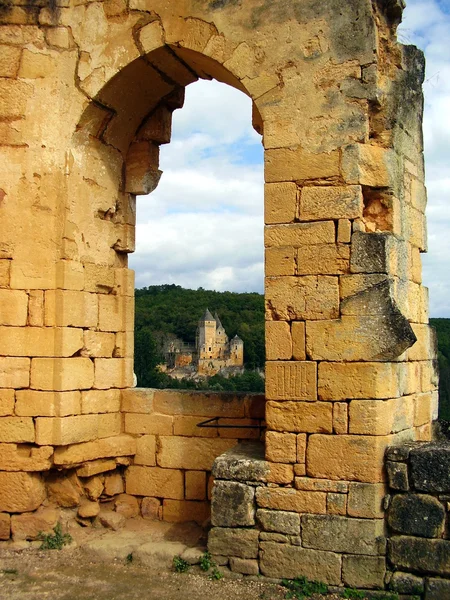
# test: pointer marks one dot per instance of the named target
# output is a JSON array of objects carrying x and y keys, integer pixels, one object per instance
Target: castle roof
[
  {"x": 207, "y": 316},
  {"x": 237, "y": 339},
  {"x": 218, "y": 323}
]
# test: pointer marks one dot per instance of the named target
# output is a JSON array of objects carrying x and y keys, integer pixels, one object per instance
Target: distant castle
[{"x": 213, "y": 352}]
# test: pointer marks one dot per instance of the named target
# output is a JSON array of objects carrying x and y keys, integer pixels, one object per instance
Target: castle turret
[
  {"x": 206, "y": 336},
  {"x": 237, "y": 351}
]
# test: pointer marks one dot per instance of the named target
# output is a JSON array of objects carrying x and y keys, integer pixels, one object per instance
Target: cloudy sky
[{"x": 203, "y": 225}]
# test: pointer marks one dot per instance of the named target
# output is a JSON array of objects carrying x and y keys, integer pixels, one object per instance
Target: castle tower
[
  {"x": 206, "y": 335},
  {"x": 221, "y": 338},
  {"x": 237, "y": 351}
]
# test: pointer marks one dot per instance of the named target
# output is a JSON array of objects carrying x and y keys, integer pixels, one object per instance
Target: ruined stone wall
[{"x": 86, "y": 97}]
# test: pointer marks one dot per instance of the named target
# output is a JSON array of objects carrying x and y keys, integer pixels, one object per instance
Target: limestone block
[
  {"x": 124, "y": 281},
  {"x": 4, "y": 268},
  {"x": 70, "y": 275},
  {"x": 336, "y": 504},
  {"x": 232, "y": 504},
  {"x": 116, "y": 313},
  {"x": 242, "y": 543},
  {"x": 300, "y": 298},
  {"x": 420, "y": 554},
  {"x": 285, "y": 164},
  {"x": 30, "y": 403},
  {"x": 113, "y": 484},
  {"x": 278, "y": 340},
  {"x": 150, "y": 424},
  {"x": 93, "y": 487},
  {"x": 109, "y": 424},
  {"x": 124, "y": 344},
  {"x": 127, "y": 506},
  {"x": 29, "y": 526},
  {"x": 151, "y": 36},
  {"x": 14, "y": 96},
  {"x": 308, "y": 484},
  {"x": 7, "y": 403},
  {"x": 344, "y": 232},
  {"x": 70, "y": 308},
  {"x": 298, "y": 340},
  {"x": 20, "y": 492},
  {"x": 40, "y": 341},
  {"x": 406, "y": 583},
  {"x": 299, "y": 234},
  {"x": 301, "y": 447},
  {"x": 280, "y": 473},
  {"x": 323, "y": 259},
  {"x": 416, "y": 514},
  {"x": 436, "y": 589},
  {"x": 35, "y": 65},
  {"x": 255, "y": 405},
  {"x": 365, "y": 500},
  {"x": 61, "y": 374},
  {"x": 23, "y": 457},
  {"x": 88, "y": 509},
  {"x": 281, "y": 447},
  {"x": 423, "y": 409},
  {"x": 340, "y": 381},
  {"x": 246, "y": 566},
  {"x": 331, "y": 202},
  {"x": 100, "y": 401},
  {"x": 195, "y": 482},
  {"x": 430, "y": 468},
  {"x": 342, "y": 534},
  {"x": 278, "y": 521},
  {"x": 99, "y": 278},
  {"x": 347, "y": 457},
  {"x": 198, "y": 403},
  {"x": 36, "y": 308},
  {"x": 284, "y": 560},
  {"x": 146, "y": 453},
  {"x": 142, "y": 173},
  {"x": 95, "y": 467},
  {"x": 98, "y": 344},
  {"x": 9, "y": 61},
  {"x": 13, "y": 307},
  {"x": 62, "y": 431},
  {"x": 137, "y": 400},
  {"x": 302, "y": 417},
  {"x": 121, "y": 445},
  {"x": 16, "y": 429},
  {"x": 372, "y": 252},
  {"x": 158, "y": 126},
  {"x": 369, "y": 165},
  {"x": 113, "y": 373},
  {"x": 291, "y": 500},
  {"x": 381, "y": 417},
  {"x": 280, "y": 203},
  {"x": 280, "y": 261},
  {"x": 154, "y": 481},
  {"x": 366, "y": 572},
  {"x": 340, "y": 417},
  {"x": 5, "y": 526},
  {"x": 182, "y": 511},
  {"x": 151, "y": 508},
  {"x": 188, "y": 426},
  {"x": 244, "y": 462},
  {"x": 291, "y": 380},
  {"x": 111, "y": 520},
  {"x": 190, "y": 453},
  {"x": 59, "y": 37}
]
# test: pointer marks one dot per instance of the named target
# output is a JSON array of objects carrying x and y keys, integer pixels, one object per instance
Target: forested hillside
[
  {"x": 442, "y": 327},
  {"x": 163, "y": 310}
]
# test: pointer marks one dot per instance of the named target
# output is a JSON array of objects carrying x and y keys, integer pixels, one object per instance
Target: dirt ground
[{"x": 134, "y": 563}]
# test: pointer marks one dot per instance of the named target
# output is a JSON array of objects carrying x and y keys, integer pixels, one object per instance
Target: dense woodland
[{"x": 170, "y": 310}]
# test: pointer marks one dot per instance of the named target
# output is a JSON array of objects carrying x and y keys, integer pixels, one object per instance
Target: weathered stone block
[
  {"x": 430, "y": 468},
  {"x": 24, "y": 457},
  {"x": 292, "y": 500},
  {"x": 31, "y": 403},
  {"x": 40, "y": 341},
  {"x": 289, "y": 380},
  {"x": 420, "y": 554},
  {"x": 206, "y": 404},
  {"x": 416, "y": 514},
  {"x": 14, "y": 372},
  {"x": 331, "y": 202},
  {"x": 307, "y": 417},
  {"x": 285, "y": 164},
  {"x": 298, "y": 298},
  {"x": 406, "y": 583},
  {"x": 244, "y": 462},
  {"x": 340, "y": 381},
  {"x": 16, "y": 429},
  {"x": 7, "y": 403},
  {"x": 278, "y": 340},
  {"x": 149, "y": 424},
  {"x": 190, "y": 453},
  {"x": 284, "y": 560},
  {"x": 99, "y": 401},
  {"x": 365, "y": 500},
  {"x": 280, "y": 261},
  {"x": 120, "y": 445},
  {"x": 113, "y": 373},
  {"x": 69, "y": 308},
  {"x": 62, "y": 431},
  {"x": 368, "y": 165},
  {"x": 246, "y": 566},
  {"x": 182, "y": 511},
  {"x": 298, "y": 340},
  {"x": 145, "y": 451},
  {"x": 323, "y": 259},
  {"x": 280, "y": 473},
  {"x": 154, "y": 481},
  {"x": 281, "y": 447},
  {"x": 28, "y": 526},
  {"x": 364, "y": 571},
  {"x": 5, "y": 526},
  {"x": 371, "y": 252},
  {"x": 98, "y": 344},
  {"x": 321, "y": 485},
  {"x": 60, "y": 374},
  {"x": 95, "y": 467},
  {"x": 13, "y": 307},
  {"x": 242, "y": 543},
  {"x": 336, "y": 504},
  {"x": 347, "y": 457},
  {"x": 195, "y": 485},
  {"x": 280, "y": 202},
  {"x": 437, "y": 589},
  {"x": 233, "y": 504},
  {"x": 278, "y": 521},
  {"x": 343, "y": 534},
  {"x": 397, "y": 475},
  {"x": 20, "y": 492}
]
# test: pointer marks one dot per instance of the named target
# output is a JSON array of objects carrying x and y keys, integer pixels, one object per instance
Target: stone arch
[{"x": 339, "y": 104}]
